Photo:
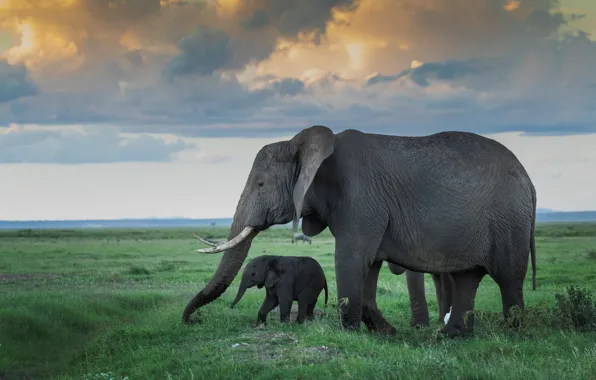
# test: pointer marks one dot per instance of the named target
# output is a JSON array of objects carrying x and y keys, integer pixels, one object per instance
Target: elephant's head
[
  {"x": 260, "y": 271},
  {"x": 273, "y": 194}
]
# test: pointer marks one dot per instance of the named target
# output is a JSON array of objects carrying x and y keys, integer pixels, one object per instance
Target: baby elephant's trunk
[{"x": 241, "y": 291}]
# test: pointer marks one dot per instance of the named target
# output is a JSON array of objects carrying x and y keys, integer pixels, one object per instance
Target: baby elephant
[{"x": 286, "y": 279}]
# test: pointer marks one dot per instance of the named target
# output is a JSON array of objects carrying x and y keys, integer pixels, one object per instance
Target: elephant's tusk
[
  {"x": 205, "y": 241},
  {"x": 229, "y": 244}
]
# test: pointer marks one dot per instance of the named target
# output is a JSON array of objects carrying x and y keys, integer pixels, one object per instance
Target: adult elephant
[
  {"x": 418, "y": 306},
  {"x": 448, "y": 202}
]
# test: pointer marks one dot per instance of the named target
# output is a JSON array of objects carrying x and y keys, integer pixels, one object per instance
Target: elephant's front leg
[
  {"x": 371, "y": 315},
  {"x": 269, "y": 304},
  {"x": 353, "y": 258}
]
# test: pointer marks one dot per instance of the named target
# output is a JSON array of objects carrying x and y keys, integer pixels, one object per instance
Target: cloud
[
  {"x": 202, "y": 52},
  {"x": 194, "y": 68},
  {"x": 289, "y": 86},
  {"x": 291, "y": 17},
  {"x": 71, "y": 146},
  {"x": 451, "y": 70},
  {"x": 15, "y": 82},
  {"x": 257, "y": 20}
]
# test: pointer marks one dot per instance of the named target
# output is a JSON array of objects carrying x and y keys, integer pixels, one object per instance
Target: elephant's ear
[
  {"x": 313, "y": 146},
  {"x": 273, "y": 273}
]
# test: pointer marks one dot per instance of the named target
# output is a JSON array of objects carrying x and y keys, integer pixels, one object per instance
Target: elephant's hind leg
[
  {"x": 461, "y": 321},
  {"x": 418, "y": 305},
  {"x": 444, "y": 290},
  {"x": 371, "y": 315},
  {"x": 310, "y": 310},
  {"x": 306, "y": 305},
  {"x": 512, "y": 295},
  {"x": 510, "y": 277}
]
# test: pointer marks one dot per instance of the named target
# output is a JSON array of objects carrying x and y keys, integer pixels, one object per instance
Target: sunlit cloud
[
  {"x": 511, "y": 5},
  {"x": 159, "y": 63}
]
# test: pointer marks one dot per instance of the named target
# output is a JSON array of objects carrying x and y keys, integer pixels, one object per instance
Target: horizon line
[{"x": 547, "y": 211}]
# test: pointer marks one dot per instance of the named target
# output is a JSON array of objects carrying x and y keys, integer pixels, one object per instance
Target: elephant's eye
[
  {"x": 252, "y": 274},
  {"x": 260, "y": 183}
]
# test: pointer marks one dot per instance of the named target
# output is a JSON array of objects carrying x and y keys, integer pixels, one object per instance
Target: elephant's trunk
[
  {"x": 241, "y": 291},
  {"x": 228, "y": 266}
]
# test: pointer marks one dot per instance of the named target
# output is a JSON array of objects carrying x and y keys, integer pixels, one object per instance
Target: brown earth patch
[
  {"x": 26, "y": 276},
  {"x": 271, "y": 345},
  {"x": 318, "y": 313}
]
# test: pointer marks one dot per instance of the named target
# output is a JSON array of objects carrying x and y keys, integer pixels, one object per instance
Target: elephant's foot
[
  {"x": 419, "y": 322},
  {"x": 350, "y": 325},
  {"x": 419, "y": 325},
  {"x": 454, "y": 331},
  {"x": 374, "y": 321},
  {"x": 386, "y": 330},
  {"x": 350, "y": 317},
  {"x": 259, "y": 325}
]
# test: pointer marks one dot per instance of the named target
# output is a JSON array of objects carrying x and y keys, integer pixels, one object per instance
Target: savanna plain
[{"x": 107, "y": 304}]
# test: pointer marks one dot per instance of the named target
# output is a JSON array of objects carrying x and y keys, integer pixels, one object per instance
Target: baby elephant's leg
[
  {"x": 306, "y": 305},
  {"x": 310, "y": 310},
  {"x": 285, "y": 304},
  {"x": 269, "y": 304}
]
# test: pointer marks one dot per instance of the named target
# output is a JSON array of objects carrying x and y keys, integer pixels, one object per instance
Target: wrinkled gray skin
[
  {"x": 451, "y": 202},
  {"x": 286, "y": 279},
  {"x": 444, "y": 287},
  {"x": 302, "y": 237}
]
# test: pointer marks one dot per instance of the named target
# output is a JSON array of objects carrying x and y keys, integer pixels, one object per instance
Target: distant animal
[
  {"x": 302, "y": 237},
  {"x": 286, "y": 279}
]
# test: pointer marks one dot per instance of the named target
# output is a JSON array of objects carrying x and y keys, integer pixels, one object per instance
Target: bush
[{"x": 577, "y": 309}]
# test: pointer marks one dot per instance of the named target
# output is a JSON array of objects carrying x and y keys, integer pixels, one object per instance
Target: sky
[{"x": 156, "y": 108}]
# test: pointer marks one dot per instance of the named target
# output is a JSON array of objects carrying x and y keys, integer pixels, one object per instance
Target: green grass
[{"x": 101, "y": 304}]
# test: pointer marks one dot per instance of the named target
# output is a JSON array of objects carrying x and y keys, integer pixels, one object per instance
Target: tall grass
[{"x": 107, "y": 304}]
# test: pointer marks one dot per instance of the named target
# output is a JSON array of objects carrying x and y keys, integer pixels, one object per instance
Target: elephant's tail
[
  {"x": 326, "y": 292},
  {"x": 533, "y": 242}
]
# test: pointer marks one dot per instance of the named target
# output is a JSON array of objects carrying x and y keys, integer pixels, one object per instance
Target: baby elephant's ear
[{"x": 273, "y": 273}]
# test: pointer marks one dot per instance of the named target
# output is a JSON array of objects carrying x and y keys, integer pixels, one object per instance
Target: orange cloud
[
  {"x": 113, "y": 51},
  {"x": 44, "y": 45},
  {"x": 512, "y": 5}
]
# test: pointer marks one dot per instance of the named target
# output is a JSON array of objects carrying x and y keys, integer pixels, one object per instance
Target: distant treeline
[
  {"x": 220, "y": 233},
  {"x": 546, "y": 217}
]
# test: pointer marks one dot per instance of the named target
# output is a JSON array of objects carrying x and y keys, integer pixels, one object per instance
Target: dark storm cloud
[
  {"x": 202, "y": 53},
  {"x": 290, "y": 17},
  {"x": 208, "y": 49},
  {"x": 15, "y": 82},
  {"x": 450, "y": 70},
  {"x": 116, "y": 11},
  {"x": 135, "y": 57},
  {"x": 258, "y": 19},
  {"x": 288, "y": 86}
]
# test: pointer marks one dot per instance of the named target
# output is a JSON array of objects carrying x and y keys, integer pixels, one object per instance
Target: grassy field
[{"x": 106, "y": 304}]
